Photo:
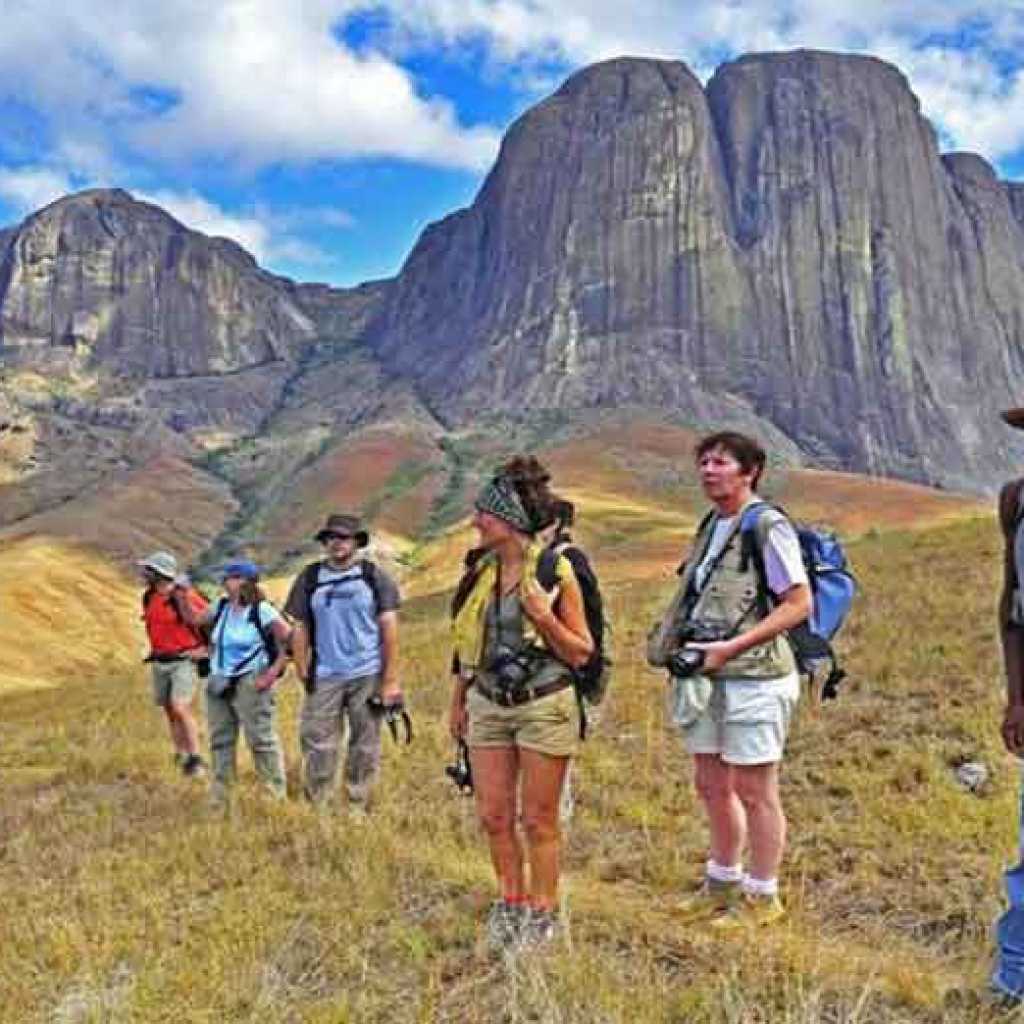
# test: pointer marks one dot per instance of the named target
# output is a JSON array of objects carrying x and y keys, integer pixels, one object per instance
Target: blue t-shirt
[
  {"x": 347, "y": 631},
  {"x": 237, "y": 644}
]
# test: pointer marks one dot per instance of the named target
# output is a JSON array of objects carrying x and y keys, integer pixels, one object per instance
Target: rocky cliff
[
  {"x": 784, "y": 247},
  {"x": 784, "y": 250}
]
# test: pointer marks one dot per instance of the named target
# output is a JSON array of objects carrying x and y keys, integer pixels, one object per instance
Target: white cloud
[
  {"x": 976, "y": 101},
  {"x": 25, "y": 189},
  {"x": 257, "y": 81}
]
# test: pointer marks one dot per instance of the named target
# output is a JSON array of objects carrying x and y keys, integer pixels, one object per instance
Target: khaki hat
[
  {"x": 161, "y": 562},
  {"x": 1015, "y": 417},
  {"x": 349, "y": 525}
]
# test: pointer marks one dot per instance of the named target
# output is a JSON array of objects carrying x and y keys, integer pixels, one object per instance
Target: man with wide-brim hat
[
  {"x": 345, "y": 609},
  {"x": 175, "y": 646}
]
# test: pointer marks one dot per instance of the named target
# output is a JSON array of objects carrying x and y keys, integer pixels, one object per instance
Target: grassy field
[{"x": 125, "y": 900}]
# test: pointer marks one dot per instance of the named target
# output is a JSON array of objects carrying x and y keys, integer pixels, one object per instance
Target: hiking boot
[
  {"x": 193, "y": 766},
  {"x": 749, "y": 912},
  {"x": 712, "y": 899},
  {"x": 504, "y": 925},
  {"x": 540, "y": 929}
]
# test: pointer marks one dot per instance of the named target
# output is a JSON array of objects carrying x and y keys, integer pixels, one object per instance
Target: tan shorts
[
  {"x": 746, "y": 722},
  {"x": 174, "y": 682},
  {"x": 550, "y": 725}
]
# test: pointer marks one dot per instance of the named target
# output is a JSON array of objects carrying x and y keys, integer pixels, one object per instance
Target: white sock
[
  {"x": 720, "y": 873},
  {"x": 760, "y": 886}
]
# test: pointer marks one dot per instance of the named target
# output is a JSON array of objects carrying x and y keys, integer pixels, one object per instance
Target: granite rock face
[
  {"x": 787, "y": 243},
  {"x": 784, "y": 250},
  {"x": 108, "y": 280}
]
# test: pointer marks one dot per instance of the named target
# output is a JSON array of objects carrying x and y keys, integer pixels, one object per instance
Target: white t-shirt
[{"x": 783, "y": 563}]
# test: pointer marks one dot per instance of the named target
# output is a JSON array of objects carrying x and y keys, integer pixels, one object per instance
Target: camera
[
  {"x": 510, "y": 667},
  {"x": 688, "y": 661},
  {"x": 461, "y": 773},
  {"x": 685, "y": 662}
]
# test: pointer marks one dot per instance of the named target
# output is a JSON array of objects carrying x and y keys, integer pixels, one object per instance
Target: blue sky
[{"x": 323, "y": 135}]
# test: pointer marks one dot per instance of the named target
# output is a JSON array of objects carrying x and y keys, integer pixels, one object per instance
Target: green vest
[{"x": 729, "y": 602}]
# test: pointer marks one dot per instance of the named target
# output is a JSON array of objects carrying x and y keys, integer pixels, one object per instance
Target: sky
[{"x": 324, "y": 135}]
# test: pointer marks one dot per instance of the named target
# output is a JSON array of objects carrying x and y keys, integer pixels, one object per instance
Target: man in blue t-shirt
[{"x": 345, "y": 610}]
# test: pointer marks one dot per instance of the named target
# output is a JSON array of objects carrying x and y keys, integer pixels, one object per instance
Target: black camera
[
  {"x": 688, "y": 661},
  {"x": 510, "y": 667},
  {"x": 461, "y": 773}
]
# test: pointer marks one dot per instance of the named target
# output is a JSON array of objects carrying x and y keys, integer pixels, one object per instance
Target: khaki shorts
[
  {"x": 174, "y": 682},
  {"x": 746, "y": 722},
  {"x": 550, "y": 725}
]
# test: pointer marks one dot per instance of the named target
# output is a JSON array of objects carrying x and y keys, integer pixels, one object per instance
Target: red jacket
[{"x": 168, "y": 633}]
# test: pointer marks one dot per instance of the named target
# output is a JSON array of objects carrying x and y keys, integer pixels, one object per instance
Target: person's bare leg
[
  {"x": 188, "y": 730},
  {"x": 543, "y": 778},
  {"x": 757, "y": 787},
  {"x": 495, "y": 771},
  {"x": 727, "y": 818}
]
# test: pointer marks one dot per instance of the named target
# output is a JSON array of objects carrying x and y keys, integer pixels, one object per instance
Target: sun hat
[
  {"x": 240, "y": 567},
  {"x": 346, "y": 525},
  {"x": 161, "y": 562}
]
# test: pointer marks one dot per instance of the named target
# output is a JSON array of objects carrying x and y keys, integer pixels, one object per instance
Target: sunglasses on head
[{"x": 330, "y": 535}]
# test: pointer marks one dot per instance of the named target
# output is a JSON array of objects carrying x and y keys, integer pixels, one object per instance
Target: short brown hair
[{"x": 745, "y": 450}]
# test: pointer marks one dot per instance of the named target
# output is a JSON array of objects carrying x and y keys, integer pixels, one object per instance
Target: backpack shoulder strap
[
  {"x": 474, "y": 566},
  {"x": 370, "y": 575},
  {"x": 758, "y": 518},
  {"x": 547, "y": 564},
  {"x": 266, "y": 638}
]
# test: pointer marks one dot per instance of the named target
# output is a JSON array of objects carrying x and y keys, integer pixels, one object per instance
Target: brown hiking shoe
[
  {"x": 750, "y": 912},
  {"x": 712, "y": 899}
]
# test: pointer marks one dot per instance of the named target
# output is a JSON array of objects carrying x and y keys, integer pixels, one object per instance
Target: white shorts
[{"x": 746, "y": 721}]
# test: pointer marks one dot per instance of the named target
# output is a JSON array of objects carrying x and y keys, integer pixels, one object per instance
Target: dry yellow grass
[{"x": 125, "y": 901}]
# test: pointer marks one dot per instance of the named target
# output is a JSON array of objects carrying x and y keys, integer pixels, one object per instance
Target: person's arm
[
  {"x": 1010, "y": 634},
  {"x": 272, "y": 673},
  {"x": 390, "y": 688},
  {"x": 566, "y": 633},
  {"x": 300, "y": 650}
]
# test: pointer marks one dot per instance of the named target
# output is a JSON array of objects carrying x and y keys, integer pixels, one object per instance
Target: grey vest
[{"x": 728, "y": 601}]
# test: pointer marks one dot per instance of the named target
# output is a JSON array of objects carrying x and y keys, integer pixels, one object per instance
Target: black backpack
[
  {"x": 309, "y": 583},
  {"x": 267, "y": 637},
  {"x": 592, "y": 679}
]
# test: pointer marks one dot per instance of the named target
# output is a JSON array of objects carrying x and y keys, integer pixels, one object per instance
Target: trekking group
[{"x": 757, "y": 601}]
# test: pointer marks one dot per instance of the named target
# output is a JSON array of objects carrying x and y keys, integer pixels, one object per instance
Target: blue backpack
[{"x": 832, "y": 591}]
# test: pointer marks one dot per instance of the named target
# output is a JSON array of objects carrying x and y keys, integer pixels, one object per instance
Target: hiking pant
[
  {"x": 334, "y": 704},
  {"x": 255, "y": 712}
]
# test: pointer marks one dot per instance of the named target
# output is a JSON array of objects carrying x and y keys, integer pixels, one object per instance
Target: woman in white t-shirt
[
  {"x": 736, "y": 684},
  {"x": 248, "y": 654}
]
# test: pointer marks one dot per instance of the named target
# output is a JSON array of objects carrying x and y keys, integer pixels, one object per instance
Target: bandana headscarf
[{"x": 501, "y": 499}]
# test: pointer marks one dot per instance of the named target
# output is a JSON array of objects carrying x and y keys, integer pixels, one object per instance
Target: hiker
[
  {"x": 735, "y": 682},
  {"x": 345, "y": 609},
  {"x": 1011, "y": 604},
  {"x": 513, "y": 699},
  {"x": 175, "y": 648},
  {"x": 249, "y": 654},
  {"x": 1007, "y": 978}
]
